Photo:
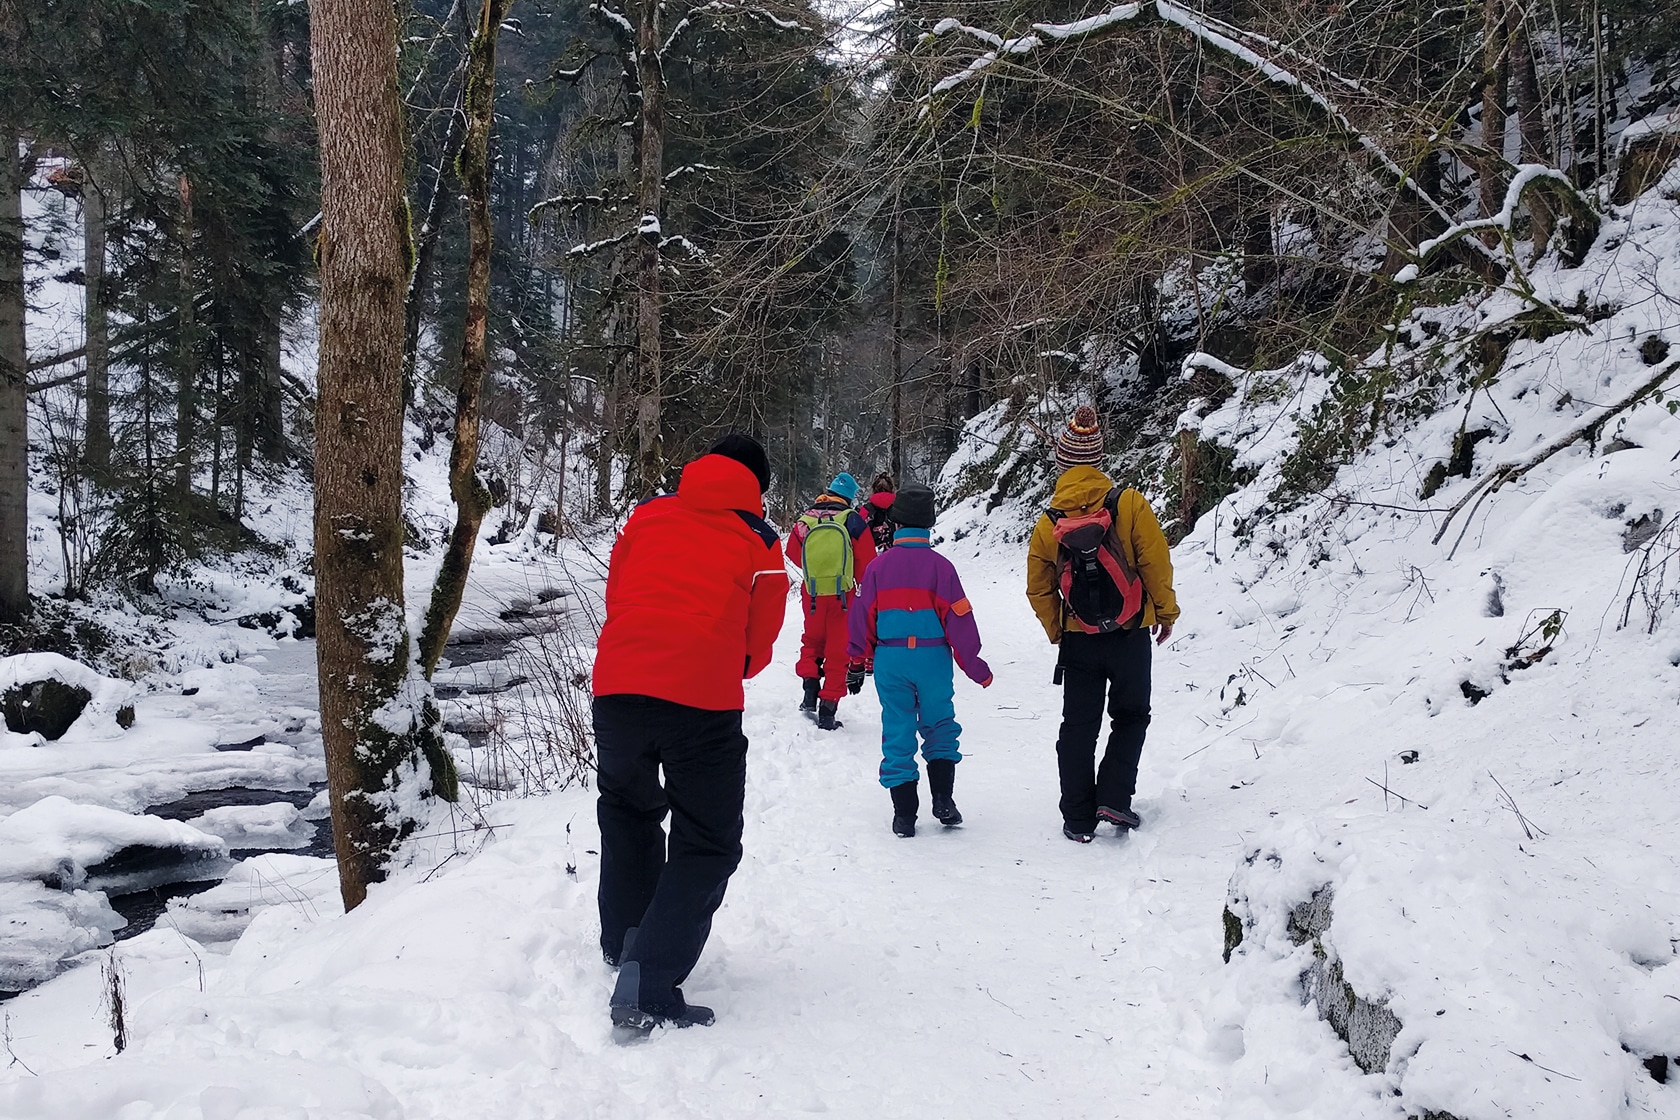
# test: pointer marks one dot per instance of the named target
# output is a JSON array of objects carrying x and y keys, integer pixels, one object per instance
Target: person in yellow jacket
[{"x": 1101, "y": 615}]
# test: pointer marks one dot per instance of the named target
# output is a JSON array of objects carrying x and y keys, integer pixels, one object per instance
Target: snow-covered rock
[
  {"x": 48, "y": 696},
  {"x": 1522, "y": 977},
  {"x": 64, "y": 844}
]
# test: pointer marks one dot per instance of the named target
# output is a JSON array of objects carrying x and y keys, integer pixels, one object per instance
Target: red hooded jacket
[{"x": 695, "y": 592}]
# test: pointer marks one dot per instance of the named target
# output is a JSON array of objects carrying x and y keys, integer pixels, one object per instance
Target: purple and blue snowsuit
[{"x": 912, "y": 616}]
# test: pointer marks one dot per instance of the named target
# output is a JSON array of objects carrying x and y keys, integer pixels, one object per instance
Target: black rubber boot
[
  {"x": 905, "y": 803},
  {"x": 942, "y": 775},
  {"x": 825, "y": 715},
  {"x": 809, "y": 703}
]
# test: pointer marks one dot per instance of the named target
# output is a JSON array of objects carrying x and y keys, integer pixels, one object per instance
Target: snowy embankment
[{"x": 1434, "y": 783}]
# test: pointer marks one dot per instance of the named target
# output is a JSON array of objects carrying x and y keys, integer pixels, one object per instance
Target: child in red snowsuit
[{"x": 825, "y": 597}]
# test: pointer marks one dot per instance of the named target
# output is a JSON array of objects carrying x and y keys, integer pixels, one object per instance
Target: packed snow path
[{"x": 994, "y": 969}]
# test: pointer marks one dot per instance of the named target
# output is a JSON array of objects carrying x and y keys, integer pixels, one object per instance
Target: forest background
[{"x": 846, "y": 232}]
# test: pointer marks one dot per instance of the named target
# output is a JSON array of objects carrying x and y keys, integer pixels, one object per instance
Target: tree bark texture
[
  {"x": 1531, "y": 119},
  {"x": 1496, "y": 80},
  {"x": 186, "y": 354},
  {"x": 432, "y": 225},
  {"x": 14, "y": 361},
  {"x": 97, "y": 445},
  {"x": 378, "y": 721},
  {"x": 471, "y": 496},
  {"x": 650, "y": 466},
  {"x": 895, "y": 438}
]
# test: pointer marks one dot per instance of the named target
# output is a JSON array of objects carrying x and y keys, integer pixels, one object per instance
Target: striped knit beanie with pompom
[{"x": 1082, "y": 441}]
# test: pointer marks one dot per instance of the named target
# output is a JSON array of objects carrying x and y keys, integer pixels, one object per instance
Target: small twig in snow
[
  {"x": 1383, "y": 785},
  {"x": 1537, "y": 1065},
  {"x": 1529, "y": 827}
]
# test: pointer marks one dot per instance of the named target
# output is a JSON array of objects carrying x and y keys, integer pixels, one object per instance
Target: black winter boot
[
  {"x": 825, "y": 715},
  {"x": 809, "y": 703},
  {"x": 905, "y": 802},
  {"x": 942, "y": 775},
  {"x": 615, "y": 959}
]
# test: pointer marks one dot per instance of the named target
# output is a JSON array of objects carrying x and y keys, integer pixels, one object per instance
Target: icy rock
[
  {"x": 51, "y": 695},
  {"x": 43, "y": 927},
  {"x": 70, "y": 845}
]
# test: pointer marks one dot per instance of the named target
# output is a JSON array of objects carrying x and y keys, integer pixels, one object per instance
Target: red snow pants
[{"x": 825, "y": 639}]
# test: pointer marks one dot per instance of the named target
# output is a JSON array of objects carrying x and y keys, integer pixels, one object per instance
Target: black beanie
[
  {"x": 913, "y": 506},
  {"x": 746, "y": 451}
]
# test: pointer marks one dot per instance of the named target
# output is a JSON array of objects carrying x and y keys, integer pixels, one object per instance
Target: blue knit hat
[{"x": 844, "y": 486}]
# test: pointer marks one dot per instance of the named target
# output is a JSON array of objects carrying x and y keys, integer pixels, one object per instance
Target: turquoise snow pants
[{"x": 915, "y": 686}]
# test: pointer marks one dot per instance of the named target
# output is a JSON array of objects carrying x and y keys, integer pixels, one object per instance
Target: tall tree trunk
[
  {"x": 650, "y": 465},
  {"x": 471, "y": 496},
  {"x": 895, "y": 438},
  {"x": 186, "y": 360},
  {"x": 1496, "y": 78},
  {"x": 271, "y": 426},
  {"x": 1531, "y": 119},
  {"x": 264, "y": 423},
  {"x": 14, "y": 363},
  {"x": 612, "y": 390},
  {"x": 96, "y": 181},
  {"x": 378, "y": 720},
  {"x": 420, "y": 284}
]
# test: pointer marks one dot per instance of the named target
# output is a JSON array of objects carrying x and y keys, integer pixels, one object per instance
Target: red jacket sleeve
[
  {"x": 863, "y": 545},
  {"x": 766, "y": 608},
  {"x": 796, "y": 542}
]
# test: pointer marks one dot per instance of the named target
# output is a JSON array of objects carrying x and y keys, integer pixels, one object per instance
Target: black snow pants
[
  {"x": 670, "y": 895},
  {"x": 1116, "y": 663}
]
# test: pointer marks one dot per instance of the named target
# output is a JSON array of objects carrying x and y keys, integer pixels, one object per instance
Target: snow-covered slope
[{"x": 1346, "y": 705}]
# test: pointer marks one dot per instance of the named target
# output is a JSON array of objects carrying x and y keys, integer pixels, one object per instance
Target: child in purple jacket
[{"x": 912, "y": 617}]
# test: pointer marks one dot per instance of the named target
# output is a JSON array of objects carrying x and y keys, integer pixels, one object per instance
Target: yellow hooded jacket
[{"x": 1080, "y": 490}]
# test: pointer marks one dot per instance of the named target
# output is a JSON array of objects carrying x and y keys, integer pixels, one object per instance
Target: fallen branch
[{"x": 1511, "y": 471}]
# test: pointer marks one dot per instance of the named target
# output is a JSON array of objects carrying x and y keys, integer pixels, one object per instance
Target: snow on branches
[
  {"x": 620, "y": 24},
  {"x": 1259, "y": 53},
  {"x": 723, "y": 7}
]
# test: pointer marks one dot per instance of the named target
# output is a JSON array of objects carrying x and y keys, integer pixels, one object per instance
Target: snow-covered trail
[{"x": 991, "y": 970}]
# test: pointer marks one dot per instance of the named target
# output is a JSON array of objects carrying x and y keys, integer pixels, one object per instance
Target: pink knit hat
[{"x": 1082, "y": 441}]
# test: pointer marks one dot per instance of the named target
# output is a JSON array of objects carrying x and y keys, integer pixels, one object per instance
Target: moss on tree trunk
[{"x": 472, "y": 497}]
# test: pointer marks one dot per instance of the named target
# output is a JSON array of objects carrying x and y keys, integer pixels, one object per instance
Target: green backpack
[{"x": 827, "y": 558}]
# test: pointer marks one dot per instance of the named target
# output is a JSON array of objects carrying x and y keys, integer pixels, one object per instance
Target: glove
[{"x": 854, "y": 678}]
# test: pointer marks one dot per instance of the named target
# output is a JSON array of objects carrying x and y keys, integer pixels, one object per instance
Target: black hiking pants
[
  {"x": 672, "y": 894},
  {"x": 1117, "y": 664}
]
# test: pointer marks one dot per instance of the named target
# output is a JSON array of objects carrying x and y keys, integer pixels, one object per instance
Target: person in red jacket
[
  {"x": 831, "y": 571},
  {"x": 696, "y": 592}
]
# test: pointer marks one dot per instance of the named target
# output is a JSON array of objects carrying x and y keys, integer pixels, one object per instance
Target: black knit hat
[
  {"x": 913, "y": 506},
  {"x": 746, "y": 450}
]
